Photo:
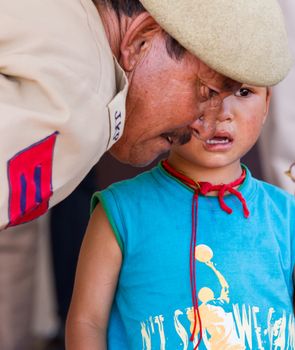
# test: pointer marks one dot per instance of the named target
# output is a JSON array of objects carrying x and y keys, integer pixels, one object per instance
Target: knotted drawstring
[{"x": 204, "y": 188}]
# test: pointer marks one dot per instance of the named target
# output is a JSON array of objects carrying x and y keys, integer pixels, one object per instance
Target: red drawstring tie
[{"x": 204, "y": 188}]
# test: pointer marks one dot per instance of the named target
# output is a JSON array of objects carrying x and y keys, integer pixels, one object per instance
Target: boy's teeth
[{"x": 216, "y": 141}]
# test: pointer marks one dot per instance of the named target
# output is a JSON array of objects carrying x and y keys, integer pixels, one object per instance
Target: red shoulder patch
[{"x": 30, "y": 181}]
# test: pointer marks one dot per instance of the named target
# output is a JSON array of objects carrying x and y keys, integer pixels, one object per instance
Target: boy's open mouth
[{"x": 218, "y": 140}]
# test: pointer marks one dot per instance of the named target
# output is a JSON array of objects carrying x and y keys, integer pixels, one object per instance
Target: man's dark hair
[
  {"x": 132, "y": 7},
  {"x": 128, "y": 7}
]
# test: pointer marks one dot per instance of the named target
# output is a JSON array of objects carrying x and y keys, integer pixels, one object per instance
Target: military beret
[{"x": 245, "y": 40}]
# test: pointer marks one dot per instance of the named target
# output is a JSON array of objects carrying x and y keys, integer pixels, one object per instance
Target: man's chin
[{"x": 136, "y": 159}]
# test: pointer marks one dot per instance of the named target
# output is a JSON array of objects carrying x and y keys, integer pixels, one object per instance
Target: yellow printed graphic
[
  {"x": 218, "y": 325},
  {"x": 225, "y": 325}
]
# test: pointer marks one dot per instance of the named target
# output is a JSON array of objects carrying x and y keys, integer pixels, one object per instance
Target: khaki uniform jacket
[{"x": 62, "y": 102}]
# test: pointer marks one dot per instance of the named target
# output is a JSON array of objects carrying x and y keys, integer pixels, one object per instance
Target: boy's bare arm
[{"x": 96, "y": 279}]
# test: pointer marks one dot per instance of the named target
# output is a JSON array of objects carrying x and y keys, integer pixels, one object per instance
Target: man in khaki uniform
[{"x": 64, "y": 101}]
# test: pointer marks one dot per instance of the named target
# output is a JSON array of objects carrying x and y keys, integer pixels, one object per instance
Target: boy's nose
[{"x": 225, "y": 110}]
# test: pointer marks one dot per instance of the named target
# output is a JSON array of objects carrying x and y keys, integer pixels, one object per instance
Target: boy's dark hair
[{"x": 132, "y": 7}]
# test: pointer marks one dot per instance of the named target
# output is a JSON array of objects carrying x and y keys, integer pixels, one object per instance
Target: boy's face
[{"x": 238, "y": 127}]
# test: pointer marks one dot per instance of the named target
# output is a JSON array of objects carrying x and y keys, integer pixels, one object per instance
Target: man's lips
[
  {"x": 168, "y": 138},
  {"x": 179, "y": 137}
]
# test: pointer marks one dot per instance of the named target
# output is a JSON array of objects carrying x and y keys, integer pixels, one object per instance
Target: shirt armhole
[{"x": 98, "y": 197}]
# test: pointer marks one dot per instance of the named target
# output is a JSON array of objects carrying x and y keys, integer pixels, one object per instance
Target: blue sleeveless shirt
[{"x": 244, "y": 267}]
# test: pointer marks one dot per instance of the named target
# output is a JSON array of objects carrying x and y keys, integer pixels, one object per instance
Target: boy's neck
[{"x": 214, "y": 175}]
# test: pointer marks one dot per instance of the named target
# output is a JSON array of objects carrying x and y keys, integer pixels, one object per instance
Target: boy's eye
[{"x": 243, "y": 92}]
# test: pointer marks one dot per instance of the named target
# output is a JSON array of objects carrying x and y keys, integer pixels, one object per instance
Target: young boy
[{"x": 170, "y": 261}]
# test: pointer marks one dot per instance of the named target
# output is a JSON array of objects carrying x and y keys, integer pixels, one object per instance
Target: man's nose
[
  {"x": 204, "y": 127},
  {"x": 213, "y": 110}
]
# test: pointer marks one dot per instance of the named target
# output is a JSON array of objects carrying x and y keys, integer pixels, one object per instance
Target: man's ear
[
  {"x": 268, "y": 98},
  {"x": 137, "y": 40}
]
